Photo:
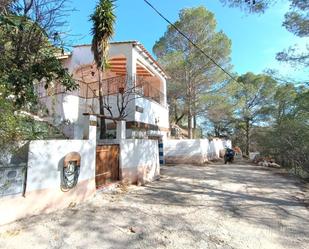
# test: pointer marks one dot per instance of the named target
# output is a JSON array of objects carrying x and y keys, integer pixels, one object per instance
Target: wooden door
[{"x": 107, "y": 164}]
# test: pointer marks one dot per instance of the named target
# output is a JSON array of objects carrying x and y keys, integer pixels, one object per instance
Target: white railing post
[
  {"x": 93, "y": 128},
  {"x": 121, "y": 130}
]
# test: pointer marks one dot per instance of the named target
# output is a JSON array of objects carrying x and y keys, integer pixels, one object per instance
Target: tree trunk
[
  {"x": 247, "y": 136},
  {"x": 175, "y": 110},
  {"x": 189, "y": 119},
  {"x": 194, "y": 113},
  {"x": 216, "y": 130},
  {"x": 179, "y": 118},
  {"x": 189, "y": 97},
  {"x": 194, "y": 125},
  {"x": 190, "y": 126},
  {"x": 102, "y": 120}
]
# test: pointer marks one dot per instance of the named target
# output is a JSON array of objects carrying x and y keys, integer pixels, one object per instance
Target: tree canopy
[
  {"x": 261, "y": 114},
  {"x": 296, "y": 21},
  {"x": 28, "y": 49},
  {"x": 192, "y": 73},
  {"x": 254, "y": 96},
  {"x": 103, "y": 21},
  {"x": 29, "y": 44}
]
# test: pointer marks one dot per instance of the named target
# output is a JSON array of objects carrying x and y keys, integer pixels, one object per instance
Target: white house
[{"x": 133, "y": 76}]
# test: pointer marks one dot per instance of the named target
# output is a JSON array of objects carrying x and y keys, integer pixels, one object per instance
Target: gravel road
[{"x": 214, "y": 206}]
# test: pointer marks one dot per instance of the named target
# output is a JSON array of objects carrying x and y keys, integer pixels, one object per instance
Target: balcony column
[
  {"x": 121, "y": 130},
  {"x": 131, "y": 67},
  {"x": 93, "y": 129},
  {"x": 164, "y": 91}
]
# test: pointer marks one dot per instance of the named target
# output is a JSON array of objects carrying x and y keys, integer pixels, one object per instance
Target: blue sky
[{"x": 255, "y": 38}]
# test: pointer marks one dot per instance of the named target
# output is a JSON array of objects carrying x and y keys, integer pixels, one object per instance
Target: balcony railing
[
  {"x": 130, "y": 85},
  {"x": 111, "y": 86},
  {"x": 147, "y": 90}
]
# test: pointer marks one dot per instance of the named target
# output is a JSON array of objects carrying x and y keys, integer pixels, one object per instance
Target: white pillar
[
  {"x": 93, "y": 144},
  {"x": 165, "y": 92},
  {"x": 131, "y": 65},
  {"x": 93, "y": 128},
  {"x": 121, "y": 130},
  {"x": 131, "y": 55}
]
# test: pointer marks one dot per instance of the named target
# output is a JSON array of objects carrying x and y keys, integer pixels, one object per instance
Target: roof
[
  {"x": 134, "y": 43},
  {"x": 150, "y": 56},
  {"x": 115, "y": 42}
]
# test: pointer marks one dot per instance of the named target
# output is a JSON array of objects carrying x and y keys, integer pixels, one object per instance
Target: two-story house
[{"x": 133, "y": 86}]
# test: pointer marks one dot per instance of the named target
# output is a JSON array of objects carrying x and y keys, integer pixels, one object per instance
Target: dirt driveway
[{"x": 215, "y": 206}]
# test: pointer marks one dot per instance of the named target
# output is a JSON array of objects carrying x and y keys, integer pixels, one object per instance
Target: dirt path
[{"x": 217, "y": 206}]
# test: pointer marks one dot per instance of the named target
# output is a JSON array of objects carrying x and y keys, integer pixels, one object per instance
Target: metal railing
[
  {"x": 110, "y": 86},
  {"x": 149, "y": 91}
]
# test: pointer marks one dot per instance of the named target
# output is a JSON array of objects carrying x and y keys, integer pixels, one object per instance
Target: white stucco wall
[
  {"x": 69, "y": 108},
  {"x": 43, "y": 190},
  {"x": 82, "y": 55},
  {"x": 152, "y": 111},
  {"x": 139, "y": 55},
  {"x": 45, "y": 161},
  {"x": 139, "y": 159},
  {"x": 62, "y": 107},
  {"x": 193, "y": 150},
  {"x": 216, "y": 145},
  {"x": 185, "y": 151}
]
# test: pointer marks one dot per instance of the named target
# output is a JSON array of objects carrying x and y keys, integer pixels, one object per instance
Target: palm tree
[{"x": 103, "y": 20}]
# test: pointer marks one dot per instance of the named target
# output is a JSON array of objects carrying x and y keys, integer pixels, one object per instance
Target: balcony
[{"x": 122, "y": 85}]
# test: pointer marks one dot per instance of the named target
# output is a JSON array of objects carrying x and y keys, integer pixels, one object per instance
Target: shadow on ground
[{"x": 214, "y": 206}]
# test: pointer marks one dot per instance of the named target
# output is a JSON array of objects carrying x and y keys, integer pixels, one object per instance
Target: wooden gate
[{"x": 107, "y": 164}]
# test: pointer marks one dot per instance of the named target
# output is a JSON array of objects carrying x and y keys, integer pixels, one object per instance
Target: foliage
[
  {"x": 27, "y": 54},
  {"x": 249, "y": 6},
  {"x": 220, "y": 114},
  {"x": 29, "y": 39},
  {"x": 287, "y": 140},
  {"x": 284, "y": 102},
  {"x": 254, "y": 95},
  {"x": 15, "y": 127},
  {"x": 260, "y": 114},
  {"x": 293, "y": 56},
  {"x": 250, "y": 103},
  {"x": 9, "y": 128},
  {"x": 103, "y": 20},
  {"x": 49, "y": 15},
  {"x": 192, "y": 74},
  {"x": 296, "y": 21}
]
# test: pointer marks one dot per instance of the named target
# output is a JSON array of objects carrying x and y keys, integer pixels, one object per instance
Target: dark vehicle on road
[{"x": 229, "y": 155}]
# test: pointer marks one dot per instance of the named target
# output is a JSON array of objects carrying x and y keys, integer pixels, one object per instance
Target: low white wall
[
  {"x": 217, "y": 147},
  {"x": 139, "y": 160},
  {"x": 185, "y": 151},
  {"x": 196, "y": 151},
  {"x": 43, "y": 189},
  {"x": 45, "y": 162}
]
